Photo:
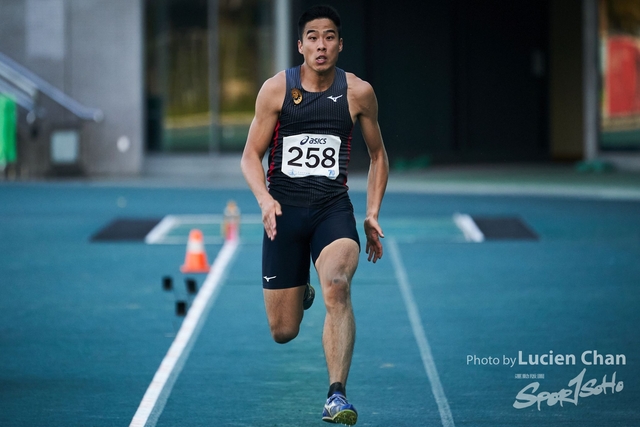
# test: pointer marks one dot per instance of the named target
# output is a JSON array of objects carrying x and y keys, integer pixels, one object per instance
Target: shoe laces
[{"x": 337, "y": 399}]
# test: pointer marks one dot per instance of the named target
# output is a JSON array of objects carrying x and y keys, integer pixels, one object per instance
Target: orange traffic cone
[{"x": 196, "y": 259}]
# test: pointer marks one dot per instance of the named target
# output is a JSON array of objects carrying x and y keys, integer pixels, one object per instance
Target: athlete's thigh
[
  {"x": 284, "y": 308},
  {"x": 285, "y": 260},
  {"x": 285, "y": 268},
  {"x": 333, "y": 222}
]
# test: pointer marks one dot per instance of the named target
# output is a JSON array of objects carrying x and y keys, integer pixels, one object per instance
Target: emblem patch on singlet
[
  {"x": 296, "y": 94},
  {"x": 311, "y": 154}
]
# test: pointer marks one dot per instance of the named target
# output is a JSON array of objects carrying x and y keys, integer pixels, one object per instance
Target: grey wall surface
[
  {"x": 92, "y": 51},
  {"x": 107, "y": 67}
]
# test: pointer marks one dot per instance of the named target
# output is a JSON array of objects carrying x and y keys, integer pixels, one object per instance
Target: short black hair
[{"x": 319, "y": 12}]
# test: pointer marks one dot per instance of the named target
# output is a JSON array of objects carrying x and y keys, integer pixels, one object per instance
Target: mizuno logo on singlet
[{"x": 334, "y": 98}]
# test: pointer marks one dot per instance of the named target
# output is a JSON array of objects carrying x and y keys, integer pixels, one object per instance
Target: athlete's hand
[
  {"x": 374, "y": 233},
  {"x": 270, "y": 209}
]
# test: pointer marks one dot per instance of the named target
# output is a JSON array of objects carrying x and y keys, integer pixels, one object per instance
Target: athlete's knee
[
  {"x": 282, "y": 334},
  {"x": 337, "y": 292}
]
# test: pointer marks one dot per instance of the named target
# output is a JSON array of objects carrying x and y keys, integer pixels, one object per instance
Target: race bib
[{"x": 310, "y": 154}]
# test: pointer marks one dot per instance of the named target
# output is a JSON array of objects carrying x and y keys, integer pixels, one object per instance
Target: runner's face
[{"x": 320, "y": 44}]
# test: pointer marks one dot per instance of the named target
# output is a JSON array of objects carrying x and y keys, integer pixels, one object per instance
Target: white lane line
[
  {"x": 194, "y": 219},
  {"x": 183, "y": 240},
  {"x": 420, "y": 336},
  {"x": 160, "y": 230},
  {"x": 159, "y": 235},
  {"x": 469, "y": 228},
  {"x": 158, "y": 392}
]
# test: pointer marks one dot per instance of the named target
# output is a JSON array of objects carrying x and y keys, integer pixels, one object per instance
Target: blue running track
[{"x": 84, "y": 325}]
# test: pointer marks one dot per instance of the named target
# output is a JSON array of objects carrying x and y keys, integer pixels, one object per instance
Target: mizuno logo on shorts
[{"x": 269, "y": 278}]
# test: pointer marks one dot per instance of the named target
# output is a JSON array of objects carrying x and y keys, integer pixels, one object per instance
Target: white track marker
[
  {"x": 468, "y": 226},
  {"x": 158, "y": 392},
  {"x": 421, "y": 338},
  {"x": 159, "y": 235},
  {"x": 160, "y": 230}
]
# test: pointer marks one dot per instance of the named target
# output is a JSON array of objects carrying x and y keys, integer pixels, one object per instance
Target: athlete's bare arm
[
  {"x": 363, "y": 106},
  {"x": 268, "y": 106}
]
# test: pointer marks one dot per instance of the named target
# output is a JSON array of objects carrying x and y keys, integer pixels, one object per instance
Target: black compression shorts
[{"x": 302, "y": 233}]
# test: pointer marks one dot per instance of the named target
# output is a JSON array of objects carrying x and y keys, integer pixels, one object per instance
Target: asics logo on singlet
[
  {"x": 308, "y": 140},
  {"x": 334, "y": 98}
]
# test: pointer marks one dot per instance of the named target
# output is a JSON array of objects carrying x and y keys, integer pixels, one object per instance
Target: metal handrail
[
  {"x": 19, "y": 97},
  {"x": 31, "y": 84}
]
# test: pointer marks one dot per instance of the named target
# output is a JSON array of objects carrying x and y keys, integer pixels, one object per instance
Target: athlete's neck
[{"x": 316, "y": 81}]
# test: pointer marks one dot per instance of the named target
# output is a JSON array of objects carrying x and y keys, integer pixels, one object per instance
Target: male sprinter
[{"x": 304, "y": 117}]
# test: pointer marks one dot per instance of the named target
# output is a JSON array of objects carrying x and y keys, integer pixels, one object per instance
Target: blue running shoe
[
  {"x": 338, "y": 411},
  {"x": 309, "y": 296}
]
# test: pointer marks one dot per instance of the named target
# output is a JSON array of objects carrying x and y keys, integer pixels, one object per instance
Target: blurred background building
[{"x": 106, "y": 87}]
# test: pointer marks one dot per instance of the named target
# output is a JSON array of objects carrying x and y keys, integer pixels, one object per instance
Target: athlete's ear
[
  {"x": 300, "y": 46},
  {"x": 340, "y": 46}
]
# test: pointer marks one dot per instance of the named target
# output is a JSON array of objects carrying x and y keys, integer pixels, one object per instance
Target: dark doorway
[
  {"x": 460, "y": 81},
  {"x": 501, "y": 82}
]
